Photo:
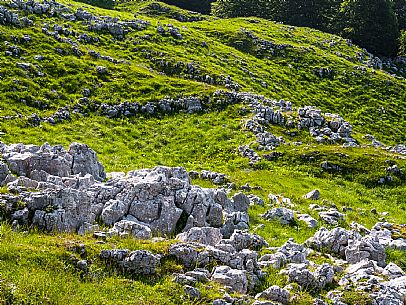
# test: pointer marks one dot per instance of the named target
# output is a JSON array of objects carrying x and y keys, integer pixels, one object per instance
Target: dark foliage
[
  {"x": 371, "y": 24},
  {"x": 200, "y": 6}
]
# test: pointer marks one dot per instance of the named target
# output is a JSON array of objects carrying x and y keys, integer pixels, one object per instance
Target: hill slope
[{"x": 147, "y": 84}]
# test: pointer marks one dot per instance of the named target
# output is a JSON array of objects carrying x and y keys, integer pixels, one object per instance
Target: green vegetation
[
  {"x": 371, "y": 24},
  {"x": 35, "y": 267},
  {"x": 374, "y": 25}
]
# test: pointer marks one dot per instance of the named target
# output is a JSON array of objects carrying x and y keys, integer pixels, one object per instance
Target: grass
[{"x": 35, "y": 268}]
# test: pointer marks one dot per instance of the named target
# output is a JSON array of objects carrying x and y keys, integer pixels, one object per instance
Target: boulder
[
  {"x": 235, "y": 279},
  {"x": 293, "y": 252},
  {"x": 313, "y": 195},
  {"x": 132, "y": 228},
  {"x": 283, "y": 215},
  {"x": 244, "y": 240},
  {"x": 298, "y": 273},
  {"x": 334, "y": 241},
  {"x": 365, "y": 248},
  {"x": 192, "y": 292},
  {"x": 185, "y": 253},
  {"x": 4, "y": 172},
  {"x": 85, "y": 161},
  {"x": 393, "y": 271},
  {"x": 310, "y": 221},
  {"x": 141, "y": 262},
  {"x": 275, "y": 293},
  {"x": 324, "y": 275},
  {"x": 240, "y": 202},
  {"x": 331, "y": 217},
  {"x": 199, "y": 274},
  {"x": 255, "y": 200}
]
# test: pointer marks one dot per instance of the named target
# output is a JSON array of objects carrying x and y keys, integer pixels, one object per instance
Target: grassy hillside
[{"x": 277, "y": 61}]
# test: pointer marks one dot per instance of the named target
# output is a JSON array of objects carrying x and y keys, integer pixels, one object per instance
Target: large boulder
[
  {"x": 84, "y": 161},
  {"x": 313, "y": 195},
  {"x": 4, "y": 172},
  {"x": 365, "y": 248},
  {"x": 23, "y": 160},
  {"x": 334, "y": 241}
]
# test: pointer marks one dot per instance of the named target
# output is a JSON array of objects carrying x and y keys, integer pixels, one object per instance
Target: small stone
[{"x": 313, "y": 195}]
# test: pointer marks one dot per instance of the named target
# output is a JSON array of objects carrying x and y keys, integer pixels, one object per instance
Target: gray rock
[
  {"x": 313, "y": 195},
  {"x": 183, "y": 279},
  {"x": 283, "y": 215},
  {"x": 4, "y": 172},
  {"x": 393, "y": 271},
  {"x": 82, "y": 265},
  {"x": 310, "y": 221},
  {"x": 243, "y": 240},
  {"x": 221, "y": 302},
  {"x": 85, "y": 161},
  {"x": 192, "y": 292},
  {"x": 235, "y": 279},
  {"x": 113, "y": 211},
  {"x": 293, "y": 252},
  {"x": 334, "y": 241},
  {"x": 88, "y": 228},
  {"x": 240, "y": 202},
  {"x": 324, "y": 275},
  {"x": 21, "y": 216},
  {"x": 142, "y": 262},
  {"x": 132, "y": 228},
  {"x": 185, "y": 253},
  {"x": 276, "y": 260},
  {"x": 199, "y": 274},
  {"x": 204, "y": 235},
  {"x": 275, "y": 293},
  {"x": 101, "y": 70},
  {"x": 255, "y": 200},
  {"x": 234, "y": 221},
  {"x": 365, "y": 248},
  {"x": 331, "y": 217},
  {"x": 298, "y": 273}
]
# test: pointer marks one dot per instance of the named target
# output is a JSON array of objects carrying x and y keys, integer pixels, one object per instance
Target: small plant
[{"x": 356, "y": 298}]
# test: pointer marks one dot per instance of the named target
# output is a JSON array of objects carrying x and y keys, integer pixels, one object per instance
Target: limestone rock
[
  {"x": 365, "y": 248},
  {"x": 204, "y": 235},
  {"x": 313, "y": 195},
  {"x": 283, "y": 215},
  {"x": 275, "y": 293},
  {"x": 310, "y": 221},
  {"x": 334, "y": 241},
  {"x": 235, "y": 279}
]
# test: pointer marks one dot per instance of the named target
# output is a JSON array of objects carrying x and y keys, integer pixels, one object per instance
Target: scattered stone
[
  {"x": 313, "y": 195},
  {"x": 275, "y": 293},
  {"x": 235, "y": 279},
  {"x": 331, "y": 217},
  {"x": 192, "y": 292},
  {"x": 283, "y": 215},
  {"x": 136, "y": 262},
  {"x": 310, "y": 221}
]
